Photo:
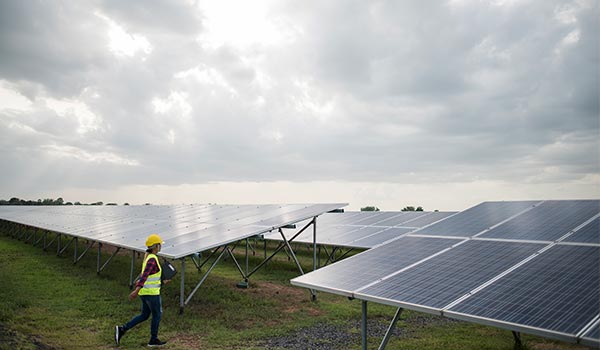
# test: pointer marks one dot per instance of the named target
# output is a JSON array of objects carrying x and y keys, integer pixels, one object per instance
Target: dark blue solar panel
[
  {"x": 548, "y": 221},
  {"x": 428, "y": 219},
  {"x": 443, "y": 279},
  {"x": 359, "y": 270},
  {"x": 593, "y": 333},
  {"x": 590, "y": 233},
  {"x": 558, "y": 290},
  {"x": 380, "y": 237},
  {"x": 476, "y": 219}
]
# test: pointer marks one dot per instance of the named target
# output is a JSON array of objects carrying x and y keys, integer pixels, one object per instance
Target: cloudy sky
[{"x": 442, "y": 104}]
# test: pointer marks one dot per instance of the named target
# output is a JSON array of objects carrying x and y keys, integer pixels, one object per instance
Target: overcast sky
[{"x": 385, "y": 103}]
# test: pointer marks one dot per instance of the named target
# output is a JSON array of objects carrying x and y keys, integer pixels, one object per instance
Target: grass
[{"x": 47, "y": 302}]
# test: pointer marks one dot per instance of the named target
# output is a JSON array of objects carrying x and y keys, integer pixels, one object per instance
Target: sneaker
[
  {"x": 156, "y": 343},
  {"x": 119, "y": 333}
]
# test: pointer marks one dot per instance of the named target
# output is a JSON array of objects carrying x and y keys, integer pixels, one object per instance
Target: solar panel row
[
  {"x": 507, "y": 266},
  {"x": 186, "y": 229},
  {"x": 364, "y": 229}
]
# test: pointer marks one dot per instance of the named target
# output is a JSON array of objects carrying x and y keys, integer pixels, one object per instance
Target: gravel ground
[{"x": 329, "y": 336}]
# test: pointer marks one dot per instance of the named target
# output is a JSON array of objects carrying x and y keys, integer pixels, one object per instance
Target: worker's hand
[
  {"x": 134, "y": 294},
  {"x": 166, "y": 281}
]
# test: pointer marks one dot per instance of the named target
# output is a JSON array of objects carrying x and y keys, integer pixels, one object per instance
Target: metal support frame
[
  {"x": 183, "y": 302},
  {"x": 517, "y": 337},
  {"x": 66, "y": 246},
  {"x": 100, "y": 268},
  {"x": 363, "y": 325},
  {"x": 84, "y": 252},
  {"x": 390, "y": 329}
]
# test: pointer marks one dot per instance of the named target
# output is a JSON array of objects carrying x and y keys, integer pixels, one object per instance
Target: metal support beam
[
  {"x": 388, "y": 333},
  {"x": 132, "y": 268},
  {"x": 84, "y": 252},
  {"x": 66, "y": 246},
  {"x": 279, "y": 248},
  {"x": 225, "y": 249},
  {"x": 75, "y": 247},
  {"x": 363, "y": 325},
  {"x": 109, "y": 259},
  {"x": 182, "y": 286},
  {"x": 98, "y": 260},
  {"x": 517, "y": 336}
]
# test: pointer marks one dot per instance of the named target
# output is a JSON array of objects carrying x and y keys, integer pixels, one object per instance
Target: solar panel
[
  {"x": 592, "y": 336},
  {"x": 362, "y": 229},
  {"x": 558, "y": 290},
  {"x": 441, "y": 280},
  {"x": 508, "y": 272},
  {"x": 547, "y": 222},
  {"x": 428, "y": 219},
  {"x": 185, "y": 229},
  {"x": 354, "y": 272},
  {"x": 589, "y": 233},
  {"x": 476, "y": 219},
  {"x": 380, "y": 237}
]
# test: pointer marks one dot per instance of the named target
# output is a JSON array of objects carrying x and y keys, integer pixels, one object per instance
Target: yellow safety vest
[{"x": 152, "y": 284}]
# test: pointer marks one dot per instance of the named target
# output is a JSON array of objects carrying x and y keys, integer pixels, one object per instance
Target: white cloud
[
  {"x": 124, "y": 43},
  {"x": 87, "y": 121},
  {"x": 63, "y": 151},
  {"x": 11, "y": 99}
]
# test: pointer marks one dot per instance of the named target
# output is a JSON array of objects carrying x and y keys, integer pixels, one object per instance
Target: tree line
[
  {"x": 48, "y": 201},
  {"x": 408, "y": 208}
]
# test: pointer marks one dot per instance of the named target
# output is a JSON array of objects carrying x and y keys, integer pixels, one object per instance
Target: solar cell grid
[
  {"x": 476, "y": 219},
  {"x": 557, "y": 290},
  {"x": 590, "y": 233},
  {"x": 381, "y": 237},
  {"x": 429, "y": 219},
  {"x": 593, "y": 334},
  {"x": 546, "y": 222},
  {"x": 439, "y": 281},
  {"x": 354, "y": 272}
]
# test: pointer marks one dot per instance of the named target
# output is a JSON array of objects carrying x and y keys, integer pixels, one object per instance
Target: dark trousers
[{"x": 151, "y": 305}]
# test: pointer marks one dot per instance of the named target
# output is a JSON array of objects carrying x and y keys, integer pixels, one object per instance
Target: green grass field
[{"x": 47, "y": 302}]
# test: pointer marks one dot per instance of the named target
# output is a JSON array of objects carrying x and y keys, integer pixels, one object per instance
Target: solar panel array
[
  {"x": 186, "y": 229},
  {"x": 530, "y": 266},
  {"x": 364, "y": 229}
]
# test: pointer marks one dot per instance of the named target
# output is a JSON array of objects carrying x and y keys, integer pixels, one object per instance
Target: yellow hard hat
[{"x": 153, "y": 239}]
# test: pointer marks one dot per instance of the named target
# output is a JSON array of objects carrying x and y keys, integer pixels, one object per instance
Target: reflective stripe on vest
[{"x": 152, "y": 284}]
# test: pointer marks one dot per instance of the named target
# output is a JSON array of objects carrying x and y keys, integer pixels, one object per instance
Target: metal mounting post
[
  {"x": 517, "y": 336},
  {"x": 388, "y": 333},
  {"x": 363, "y": 325}
]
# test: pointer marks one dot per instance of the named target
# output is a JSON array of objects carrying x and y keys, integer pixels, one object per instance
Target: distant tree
[
  {"x": 147, "y": 204},
  {"x": 369, "y": 208},
  {"x": 111, "y": 204},
  {"x": 59, "y": 201},
  {"x": 411, "y": 208},
  {"x": 77, "y": 203},
  {"x": 68, "y": 203},
  {"x": 97, "y": 203},
  {"x": 125, "y": 203}
]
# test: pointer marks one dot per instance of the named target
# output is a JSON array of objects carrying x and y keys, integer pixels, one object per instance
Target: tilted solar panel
[
  {"x": 589, "y": 233},
  {"x": 547, "y": 222},
  {"x": 558, "y": 290},
  {"x": 356, "y": 271},
  {"x": 477, "y": 219},
  {"x": 443, "y": 279}
]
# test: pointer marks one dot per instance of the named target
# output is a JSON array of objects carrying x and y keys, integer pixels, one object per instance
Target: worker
[{"x": 148, "y": 288}]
